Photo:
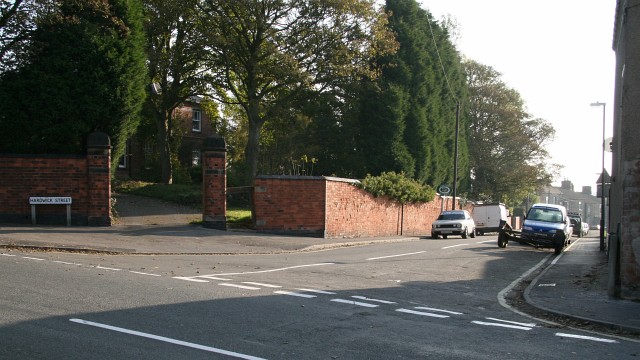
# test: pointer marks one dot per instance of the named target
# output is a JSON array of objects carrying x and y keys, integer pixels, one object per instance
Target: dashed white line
[
  {"x": 291, "y": 293},
  {"x": 271, "y": 270},
  {"x": 318, "y": 291},
  {"x": 240, "y": 286},
  {"x": 107, "y": 268},
  {"x": 438, "y": 310},
  {"x": 422, "y": 313},
  {"x": 357, "y": 303},
  {"x": 374, "y": 300},
  {"x": 512, "y": 322},
  {"x": 398, "y": 255},
  {"x": 9, "y": 255},
  {"x": 66, "y": 263},
  {"x": 143, "y": 273},
  {"x": 212, "y": 277},
  {"x": 502, "y": 325},
  {"x": 166, "y": 339},
  {"x": 32, "y": 258},
  {"x": 261, "y": 284},
  {"x": 452, "y": 246},
  {"x": 485, "y": 242},
  {"x": 582, "y": 337},
  {"x": 190, "y": 278}
]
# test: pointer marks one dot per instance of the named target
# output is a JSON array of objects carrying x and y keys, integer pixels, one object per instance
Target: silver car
[{"x": 453, "y": 222}]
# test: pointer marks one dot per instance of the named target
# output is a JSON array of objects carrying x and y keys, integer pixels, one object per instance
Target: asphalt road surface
[{"x": 426, "y": 299}]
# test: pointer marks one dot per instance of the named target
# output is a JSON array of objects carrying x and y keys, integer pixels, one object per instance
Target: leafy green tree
[
  {"x": 85, "y": 72},
  {"x": 265, "y": 53},
  {"x": 508, "y": 155},
  {"x": 175, "y": 61},
  {"x": 408, "y": 116}
]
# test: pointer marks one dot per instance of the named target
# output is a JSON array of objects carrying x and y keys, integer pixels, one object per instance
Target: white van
[{"x": 488, "y": 217}]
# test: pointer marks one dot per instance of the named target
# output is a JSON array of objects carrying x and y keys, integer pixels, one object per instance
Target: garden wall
[
  {"x": 335, "y": 208},
  {"x": 83, "y": 178}
]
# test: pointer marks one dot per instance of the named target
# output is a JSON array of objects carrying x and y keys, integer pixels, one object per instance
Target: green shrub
[{"x": 398, "y": 187}]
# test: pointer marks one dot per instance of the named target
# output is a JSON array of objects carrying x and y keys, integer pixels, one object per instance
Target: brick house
[{"x": 140, "y": 161}]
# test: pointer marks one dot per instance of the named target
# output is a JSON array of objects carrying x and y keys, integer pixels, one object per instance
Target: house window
[
  {"x": 196, "y": 123},
  {"x": 122, "y": 162},
  {"x": 195, "y": 158}
]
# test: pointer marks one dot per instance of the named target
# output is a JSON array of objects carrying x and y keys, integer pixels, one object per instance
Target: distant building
[
  {"x": 141, "y": 159},
  {"x": 583, "y": 202}
]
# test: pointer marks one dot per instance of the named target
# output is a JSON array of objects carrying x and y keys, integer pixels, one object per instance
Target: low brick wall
[
  {"x": 84, "y": 178},
  {"x": 334, "y": 208}
]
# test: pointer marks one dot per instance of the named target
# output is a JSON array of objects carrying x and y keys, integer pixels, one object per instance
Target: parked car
[
  {"x": 453, "y": 222},
  {"x": 489, "y": 217},
  {"x": 576, "y": 223},
  {"x": 547, "y": 225}
]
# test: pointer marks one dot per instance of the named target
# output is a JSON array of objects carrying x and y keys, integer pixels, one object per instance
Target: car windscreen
[
  {"x": 545, "y": 214},
  {"x": 451, "y": 217}
]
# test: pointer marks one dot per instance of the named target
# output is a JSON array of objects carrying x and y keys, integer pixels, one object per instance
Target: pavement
[{"x": 572, "y": 285}]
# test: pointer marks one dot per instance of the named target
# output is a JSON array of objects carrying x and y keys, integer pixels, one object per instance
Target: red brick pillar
[
  {"x": 98, "y": 179},
  {"x": 214, "y": 183}
]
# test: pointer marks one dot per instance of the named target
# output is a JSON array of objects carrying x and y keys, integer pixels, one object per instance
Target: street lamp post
[{"x": 602, "y": 180}]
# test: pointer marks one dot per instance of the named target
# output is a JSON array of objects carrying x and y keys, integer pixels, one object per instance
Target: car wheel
[
  {"x": 465, "y": 233},
  {"x": 473, "y": 233},
  {"x": 503, "y": 240},
  {"x": 444, "y": 236}
]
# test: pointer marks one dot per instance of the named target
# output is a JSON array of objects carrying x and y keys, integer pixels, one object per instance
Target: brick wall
[
  {"x": 290, "y": 204},
  {"x": 83, "y": 178},
  {"x": 334, "y": 208}
]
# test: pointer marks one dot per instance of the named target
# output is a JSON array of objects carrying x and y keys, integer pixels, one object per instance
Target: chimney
[
  {"x": 587, "y": 190},
  {"x": 566, "y": 185}
]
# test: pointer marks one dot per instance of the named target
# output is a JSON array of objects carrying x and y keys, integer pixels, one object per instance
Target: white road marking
[
  {"x": 485, "y": 242},
  {"x": 501, "y": 325},
  {"x": 318, "y": 291},
  {"x": 107, "y": 268},
  {"x": 398, "y": 255},
  {"x": 422, "y": 313},
  {"x": 261, "y": 284},
  {"x": 7, "y": 255},
  {"x": 240, "y": 286},
  {"x": 512, "y": 322},
  {"x": 142, "y": 273},
  {"x": 271, "y": 270},
  {"x": 32, "y": 258},
  {"x": 166, "y": 339},
  {"x": 351, "y": 302},
  {"x": 438, "y": 310},
  {"x": 582, "y": 337},
  {"x": 190, "y": 278},
  {"x": 291, "y": 293},
  {"x": 66, "y": 263},
  {"x": 452, "y": 246},
  {"x": 374, "y": 300},
  {"x": 211, "y": 277}
]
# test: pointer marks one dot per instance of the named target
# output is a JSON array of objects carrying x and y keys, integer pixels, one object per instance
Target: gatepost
[
  {"x": 214, "y": 183},
  {"x": 99, "y": 182}
]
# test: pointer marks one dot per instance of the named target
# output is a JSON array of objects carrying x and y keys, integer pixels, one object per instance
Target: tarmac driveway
[{"x": 140, "y": 210}]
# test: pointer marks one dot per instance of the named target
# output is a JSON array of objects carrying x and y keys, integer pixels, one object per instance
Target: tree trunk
[
  {"x": 252, "y": 150},
  {"x": 163, "y": 148}
]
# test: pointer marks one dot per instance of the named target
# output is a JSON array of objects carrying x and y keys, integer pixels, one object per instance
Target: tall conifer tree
[{"x": 85, "y": 72}]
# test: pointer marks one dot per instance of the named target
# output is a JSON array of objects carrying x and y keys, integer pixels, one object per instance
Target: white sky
[{"x": 557, "y": 54}]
